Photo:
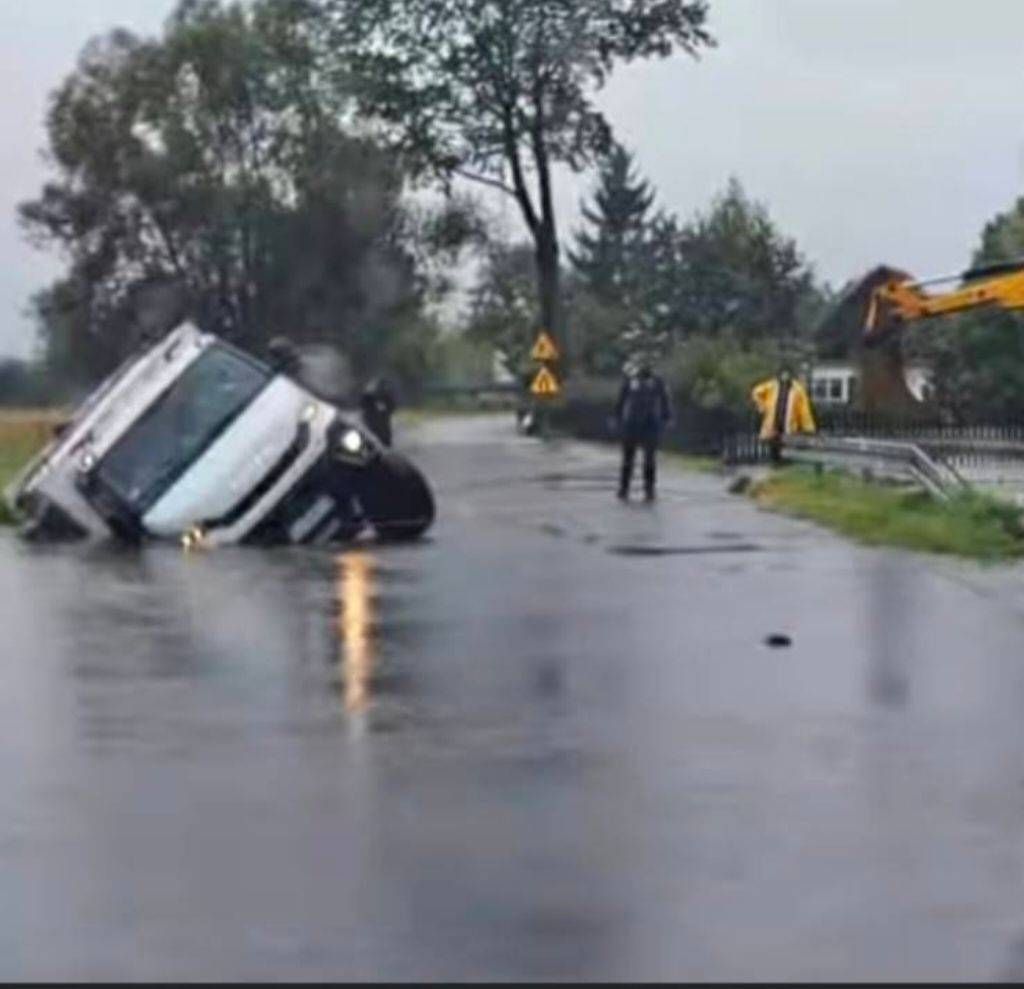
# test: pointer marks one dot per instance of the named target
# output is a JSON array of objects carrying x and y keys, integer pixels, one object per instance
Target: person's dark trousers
[
  {"x": 649, "y": 445},
  {"x": 380, "y": 426}
]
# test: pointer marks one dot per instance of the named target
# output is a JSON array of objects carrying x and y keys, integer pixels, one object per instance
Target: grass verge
[
  {"x": 22, "y": 434},
  {"x": 972, "y": 525},
  {"x": 692, "y": 461}
]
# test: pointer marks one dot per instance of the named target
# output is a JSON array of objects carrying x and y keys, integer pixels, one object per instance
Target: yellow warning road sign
[
  {"x": 544, "y": 349},
  {"x": 545, "y": 384}
]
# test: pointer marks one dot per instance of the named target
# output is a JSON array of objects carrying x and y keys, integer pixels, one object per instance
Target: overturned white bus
[{"x": 196, "y": 440}]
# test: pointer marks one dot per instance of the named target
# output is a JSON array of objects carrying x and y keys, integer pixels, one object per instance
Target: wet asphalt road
[{"x": 549, "y": 742}]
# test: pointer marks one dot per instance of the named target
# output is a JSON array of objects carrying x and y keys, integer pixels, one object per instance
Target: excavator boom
[{"x": 898, "y": 302}]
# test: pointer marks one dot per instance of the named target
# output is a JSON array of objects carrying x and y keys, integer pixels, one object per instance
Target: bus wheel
[{"x": 396, "y": 498}]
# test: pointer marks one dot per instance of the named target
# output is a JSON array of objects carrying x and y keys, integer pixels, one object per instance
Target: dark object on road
[
  {"x": 778, "y": 641},
  {"x": 377, "y": 404},
  {"x": 196, "y": 440},
  {"x": 684, "y": 550},
  {"x": 642, "y": 412}
]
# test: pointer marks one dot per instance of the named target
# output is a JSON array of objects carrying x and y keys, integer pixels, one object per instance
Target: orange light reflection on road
[{"x": 355, "y": 627}]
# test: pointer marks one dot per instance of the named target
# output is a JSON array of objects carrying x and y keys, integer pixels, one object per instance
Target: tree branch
[
  {"x": 486, "y": 180},
  {"x": 522, "y": 192}
]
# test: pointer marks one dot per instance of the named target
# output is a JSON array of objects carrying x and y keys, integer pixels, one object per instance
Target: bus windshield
[{"x": 180, "y": 425}]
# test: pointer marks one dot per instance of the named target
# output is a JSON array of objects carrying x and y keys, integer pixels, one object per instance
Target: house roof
[{"x": 838, "y": 333}]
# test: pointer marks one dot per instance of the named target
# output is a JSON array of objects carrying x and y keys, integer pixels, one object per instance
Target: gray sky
[
  {"x": 875, "y": 130},
  {"x": 39, "y": 43}
]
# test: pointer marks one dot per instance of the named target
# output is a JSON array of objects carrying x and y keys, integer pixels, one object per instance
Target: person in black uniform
[
  {"x": 377, "y": 405},
  {"x": 642, "y": 412}
]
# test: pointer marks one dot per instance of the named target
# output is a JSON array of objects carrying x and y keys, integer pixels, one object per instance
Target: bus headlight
[
  {"x": 349, "y": 444},
  {"x": 352, "y": 441}
]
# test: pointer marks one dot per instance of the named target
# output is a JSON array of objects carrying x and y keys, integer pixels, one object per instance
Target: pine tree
[
  {"x": 613, "y": 262},
  {"x": 609, "y": 250}
]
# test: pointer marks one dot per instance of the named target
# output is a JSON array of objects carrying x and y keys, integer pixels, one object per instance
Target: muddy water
[
  {"x": 280, "y": 763},
  {"x": 550, "y": 741}
]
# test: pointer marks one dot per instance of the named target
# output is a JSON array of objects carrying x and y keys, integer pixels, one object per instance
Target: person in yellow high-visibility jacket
[{"x": 785, "y": 408}]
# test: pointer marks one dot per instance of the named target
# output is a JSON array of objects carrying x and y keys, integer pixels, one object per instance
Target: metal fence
[
  {"x": 966, "y": 447},
  {"x": 986, "y": 456},
  {"x": 899, "y": 460}
]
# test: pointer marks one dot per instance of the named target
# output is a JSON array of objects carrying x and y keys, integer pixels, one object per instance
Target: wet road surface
[{"x": 552, "y": 741}]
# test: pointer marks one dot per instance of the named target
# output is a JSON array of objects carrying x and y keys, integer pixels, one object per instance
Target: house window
[
  {"x": 820, "y": 388},
  {"x": 835, "y": 390}
]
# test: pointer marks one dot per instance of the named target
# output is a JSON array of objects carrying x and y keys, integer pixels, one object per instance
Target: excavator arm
[{"x": 898, "y": 302}]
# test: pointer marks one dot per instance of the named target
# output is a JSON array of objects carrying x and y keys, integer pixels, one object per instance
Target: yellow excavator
[
  {"x": 899, "y": 300},
  {"x": 865, "y": 323}
]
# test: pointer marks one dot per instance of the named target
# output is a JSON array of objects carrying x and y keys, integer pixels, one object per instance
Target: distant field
[{"x": 22, "y": 433}]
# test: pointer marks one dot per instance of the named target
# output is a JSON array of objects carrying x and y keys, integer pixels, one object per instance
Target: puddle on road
[
  {"x": 578, "y": 482},
  {"x": 641, "y": 550}
]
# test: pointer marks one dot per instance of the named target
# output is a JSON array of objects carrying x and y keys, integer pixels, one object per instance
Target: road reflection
[
  {"x": 890, "y": 610},
  {"x": 355, "y": 588}
]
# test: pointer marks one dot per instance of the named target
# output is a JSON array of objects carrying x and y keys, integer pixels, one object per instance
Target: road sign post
[{"x": 545, "y": 384}]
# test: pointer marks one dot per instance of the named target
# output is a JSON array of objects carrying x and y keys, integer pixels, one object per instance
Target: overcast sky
[{"x": 874, "y": 130}]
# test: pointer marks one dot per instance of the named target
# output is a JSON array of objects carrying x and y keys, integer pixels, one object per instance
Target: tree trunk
[{"x": 548, "y": 284}]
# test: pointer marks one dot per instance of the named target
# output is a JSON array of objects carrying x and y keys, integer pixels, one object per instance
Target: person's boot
[
  {"x": 649, "y": 485},
  {"x": 623, "y": 493}
]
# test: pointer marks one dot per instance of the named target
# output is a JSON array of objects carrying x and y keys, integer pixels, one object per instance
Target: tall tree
[
  {"x": 628, "y": 270},
  {"x": 501, "y": 91},
  {"x": 206, "y": 173},
  {"x": 736, "y": 271},
  {"x": 654, "y": 281},
  {"x": 609, "y": 249}
]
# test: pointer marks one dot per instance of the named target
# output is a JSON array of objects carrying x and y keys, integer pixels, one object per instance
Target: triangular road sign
[
  {"x": 544, "y": 349},
  {"x": 545, "y": 384}
]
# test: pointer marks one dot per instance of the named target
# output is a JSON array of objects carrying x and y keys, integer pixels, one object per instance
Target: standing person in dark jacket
[
  {"x": 377, "y": 404},
  {"x": 642, "y": 413}
]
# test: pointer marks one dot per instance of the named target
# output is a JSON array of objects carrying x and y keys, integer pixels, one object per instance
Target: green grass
[
  {"x": 690, "y": 461},
  {"x": 972, "y": 525},
  {"x": 22, "y": 434}
]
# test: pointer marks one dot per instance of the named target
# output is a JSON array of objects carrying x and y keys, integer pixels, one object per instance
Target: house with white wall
[{"x": 837, "y": 382}]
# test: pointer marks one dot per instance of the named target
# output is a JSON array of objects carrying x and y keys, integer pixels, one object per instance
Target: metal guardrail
[
  {"x": 895, "y": 459},
  {"x": 982, "y": 448}
]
